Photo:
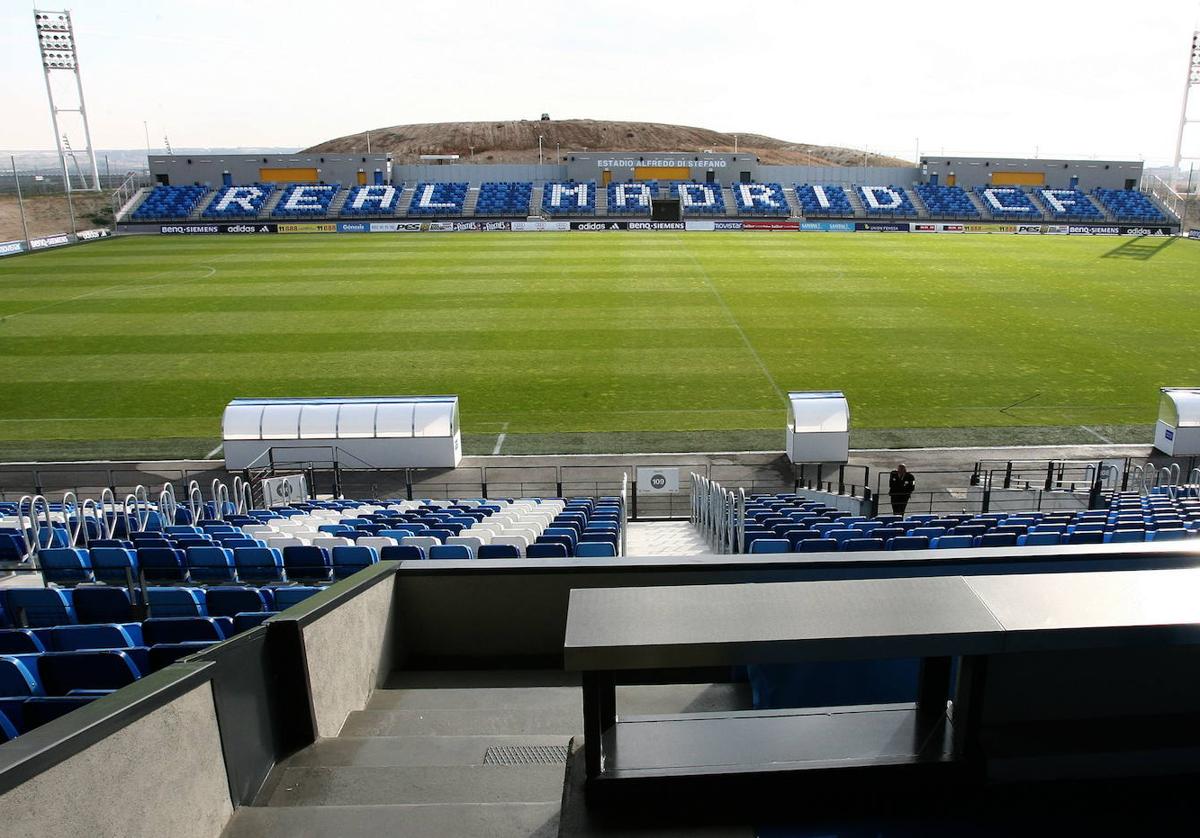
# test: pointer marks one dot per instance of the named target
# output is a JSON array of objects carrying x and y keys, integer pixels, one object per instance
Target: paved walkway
[{"x": 665, "y": 538}]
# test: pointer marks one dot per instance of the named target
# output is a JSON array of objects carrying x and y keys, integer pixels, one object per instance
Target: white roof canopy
[
  {"x": 351, "y": 418},
  {"x": 1180, "y": 407},
  {"x": 818, "y": 412}
]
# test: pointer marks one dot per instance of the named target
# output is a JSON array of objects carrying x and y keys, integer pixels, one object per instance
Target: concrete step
[
  {"x": 497, "y": 820},
  {"x": 339, "y": 201},
  {"x": 437, "y": 784},
  {"x": 915, "y": 197},
  {"x": 412, "y": 751},
  {"x": 471, "y": 200},
  {"x": 855, "y": 201},
  {"x": 546, "y": 720},
  {"x": 272, "y": 201},
  {"x": 473, "y": 699},
  {"x": 206, "y": 199},
  {"x": 984, "y": 212}
]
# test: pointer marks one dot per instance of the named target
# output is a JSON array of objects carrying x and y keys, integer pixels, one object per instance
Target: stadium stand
[
  {"x": 631, "y": 197},
  {"x": 1069, "y": 205},
  {"x": 824, "y": 201},
  {"x": 1130, "y": 206},
  {"x": 239, "y": 201},
  {"x": 569, "y": 198},
  {"x": 1008, "y": 202},
  {"x": 376, "y": 199},
  {"x": 760, "y": 199},
  {"x": 169, "y": 203},
  {"x": 887, "y": 201},
  {"x": 306, "y": 200},
  {"x": 946, "y": 201},
  {"x": 789, "y": 523},
  {"x": 436, "y": 199},
  {"x": 504, "y": 198},
  {"x": 699, "y": 198}
]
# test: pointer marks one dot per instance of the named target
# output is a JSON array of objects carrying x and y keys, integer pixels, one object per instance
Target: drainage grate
[{"x": 526, "y": 755}]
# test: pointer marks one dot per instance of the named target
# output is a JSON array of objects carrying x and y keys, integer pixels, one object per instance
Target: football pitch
[{"x": 599, "y": 342}]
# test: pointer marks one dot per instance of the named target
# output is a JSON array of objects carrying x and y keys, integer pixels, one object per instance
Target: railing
[
  {"x": 719, "y": 514},
  {"x": 127, "y": 189},
  {"x": 1171, "y": 200}
]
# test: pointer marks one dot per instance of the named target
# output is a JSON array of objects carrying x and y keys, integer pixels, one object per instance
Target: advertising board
[
  {"x": 11, "y": 248},
  {"x": 827, "y": 226},
  {"x": 44, "y": 242},
  {"x": 882, "y": 226},
  {"x": 791, "y": 226},
  {"x": 540, "y": 226}
]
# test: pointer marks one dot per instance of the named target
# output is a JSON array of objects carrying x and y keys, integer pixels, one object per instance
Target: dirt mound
[
  {"x": 47, "y": 214},
  {"x": 517, "y": 142}
]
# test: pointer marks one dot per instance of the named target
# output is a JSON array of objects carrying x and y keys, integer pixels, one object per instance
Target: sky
[{"x": 1056, "y": 79}]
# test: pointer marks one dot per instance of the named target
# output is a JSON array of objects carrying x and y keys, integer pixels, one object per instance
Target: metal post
[
  {"x": 20, "y": 202},
  {"x": 842, "y": 479},
  {"x": 1049, "y": 475}
]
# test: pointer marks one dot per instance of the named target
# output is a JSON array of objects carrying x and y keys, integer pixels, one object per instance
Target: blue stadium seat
[
  {"x": 449, "y": 551},
  {"x": 350, "y": 560},
  {"x": 8, "y": 731},
  {"x": 66, "y": 565},
  {"x": 1130, "y": 206},
  {"x": 1010, "y": 203},
  {"x": 818, "y": 545},
  {"x": 103, "y": 669},
  {"x": 699, "y": 198},
  {"x": 17, "y": 678},
  {"x": 545, "y": 551},
  {"x": 1038, "y": 539},
  {"x": 38, "y": 607},
  {"x": 211, "y": 564},
  {"x": 258, "y": 564},
  {"x": 499, "y": 551},
  {"x": 285, "y": 598},
  {"x": 44, "y": 709},
  {"x": 179, "y": 629},
  {"x": 99, "y": 636},
  {"x": 176, "y": 602},
  {"x": 996, "y": 539},
  {"x": 909, "y": 542},
  {"x": 860, "y": 545},
  {"x": 595, "y": 550},
  {"x": 952, "y": 542},
  {"x": 401, "y": 552},
  {"x": 19, "y": 642},
  {"x": 947, "y": 201},
  {"x": 307, "y": 562},
  {"x": 162, "y": 564},
  {"x": 1086, "y": 537},
  {"x": 162, "y": 655},
  {"x": 114, "y": 565},
  {"x": 230, "y": 600},
  {"x": 248, "y": 620}
]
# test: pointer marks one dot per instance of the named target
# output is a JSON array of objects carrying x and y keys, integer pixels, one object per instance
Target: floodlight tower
[
  {"x": 56, "y": 40},
  {"x": 1192, "y": 82}
]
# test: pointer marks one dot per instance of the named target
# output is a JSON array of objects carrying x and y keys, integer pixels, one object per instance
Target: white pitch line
[
  {"x": 742, "y": 332},
  {"x": 1097, "y": 434},
  {"x": 213, "y": 452},
  {"x": 211, "y": 272},
  {"x": 500, "y": 439}
]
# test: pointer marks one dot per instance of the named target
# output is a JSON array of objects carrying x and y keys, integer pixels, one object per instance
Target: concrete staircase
[
  {"x": 922, "y": 209},
  {"x": 269, "y": 205},
  {"x": 339, "y": 201},
  {"x": 535, "y": 200},
  {"x": 203, "y": 204},
  {"x": 793, "y": 200},
  {"x": 451, "y": 753},
  {"x": 852, "y": 194},
  {"x": 1037, "y": 201},
  {"x": 470, "y": 201},
  {"x": 730, "y": 206},
  {"x": 601, "y": 200},
  {"x": 979, "y": 204},
  {"x": 133, "y": 203},
  {"x": 406, "y": 196},
  {"x": 1105, "y": 211}
]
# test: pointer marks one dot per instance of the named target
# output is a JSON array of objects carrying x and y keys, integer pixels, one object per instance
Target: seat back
[
  {"x": 101, "y": 636},
  {"x": 227, "y": 601},
  {"x": 909, "y": 542},
  {"x": 211, "y": 564},
  {"x": 106, "y": 669},
  {"x": 38, "y": 607},
  {"x": 17, "y": 679},
  {"x": 285, "y": 598},
  {"x": 162, "y": 564},
  {"x": 499, "y": 551},
  {"x": 307, "y": 562},
  {"x": 66, "y": 565},
  {"x": 258, "y": 564},
  {"x": 19, "y": 642},
  {"x": 449, "y": 551},
  {"x": 402, "y": 552},
  {"x": 178, "y": 629},
  {"x": 546, "y": 551},
  {"x": 766, "y": 545},
  {"x": 860, "y": 545},
  {"x": 595, "y": 550},
  {"x": 350, "y": 560},
  {"x": 114, "y": 565}
]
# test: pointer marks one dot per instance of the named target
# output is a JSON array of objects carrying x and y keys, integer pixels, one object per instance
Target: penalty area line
[{"x": 213, "y": 452}]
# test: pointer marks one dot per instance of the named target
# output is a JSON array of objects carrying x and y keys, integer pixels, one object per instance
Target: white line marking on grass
[
  {"x": 1096, "y": 434},
  {"x": 745, "y": 340},
  {"x": 126, "y": 285},
  {"x": 213, "y": 452},
  {"x": 500, "y": 439}
]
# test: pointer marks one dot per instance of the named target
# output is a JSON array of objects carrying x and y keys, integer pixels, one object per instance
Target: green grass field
[{"x": 130, "y": 348}]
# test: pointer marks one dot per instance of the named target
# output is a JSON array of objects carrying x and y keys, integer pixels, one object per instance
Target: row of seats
[
  {"x": 699, "y": 198},
  {"x": 88, "y": 604},
  {"x": 504, "y": 198},
  {"x": 1130, "y": 206},
  {"x": 631, "y": 197},
  {"x": 373, "y": 200},
  {"x": 886, "y": 202},
  {"x": 946, "y": 201},
  {"x": 438, "y": 199},
  {"x": 789, "y": 523},
  {"x": 306, "y": 200},
  {"x": 1068, "y": 205},
  {"x": 569, "y": 198},
  {"x": 824, "y": 201},
  {"x": 239, "y": 201},
  {"x": 760, "y": 199},
  {"x": 169, "y": 203}
]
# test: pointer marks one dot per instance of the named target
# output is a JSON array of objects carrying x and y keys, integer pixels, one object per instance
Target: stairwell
[
  {"x": 535, "y": 200},
  {"x": 1036, "y": 200},
  {"x": 471, "y": 200},
  {"x": 855, "y": 201},
  {"x": 133, "y": 203},
  {"x": 730, "y": 205},
  {"x": 1105, "y": 211},
  {"x": 269, "y": 205},
  {"x": 793, "y": 202},
  {"x": 339, "y": 201},
  {"x": 601, "y": 200},
  {"x": 405, "y": 198},
  {"x": 917, "y": 202},
  {"x": 205, "y": 201},
  {"x": 979, "y": 204}
]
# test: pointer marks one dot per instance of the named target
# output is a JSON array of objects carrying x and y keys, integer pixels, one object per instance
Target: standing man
[{"x": 900, "y": 488}]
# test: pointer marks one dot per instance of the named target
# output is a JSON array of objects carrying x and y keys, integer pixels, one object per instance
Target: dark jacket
[{"x": 898, "y": 485}]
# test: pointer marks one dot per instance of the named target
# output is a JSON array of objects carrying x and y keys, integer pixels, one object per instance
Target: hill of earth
[{"x": 516, "y": 141}]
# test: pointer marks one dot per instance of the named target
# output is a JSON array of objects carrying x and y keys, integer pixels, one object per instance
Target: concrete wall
[
  {"x": 862, "y": 175},
  {"x": 349, "y": 652},
  {"x": 977, "y": 171},
  {"x": 726, "y": 168},
  {"x": 163, "y": 775},
  {"x": 476, "y": 174},
  {"x": 183, "y": 169}
]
